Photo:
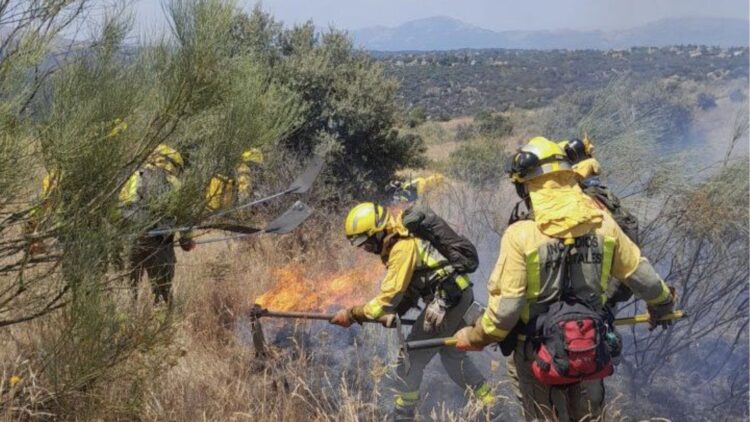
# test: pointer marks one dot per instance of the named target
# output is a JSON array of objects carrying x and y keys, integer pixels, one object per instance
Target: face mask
[{"x": 373, "y": 244}]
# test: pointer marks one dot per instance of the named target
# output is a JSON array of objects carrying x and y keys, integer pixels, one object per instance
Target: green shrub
[
  {"x": 415, "y": 117},
  {"x": 465, "y": 131},
  {"x": 480, "y": 163},
  {"x": 493, "y": 125}
]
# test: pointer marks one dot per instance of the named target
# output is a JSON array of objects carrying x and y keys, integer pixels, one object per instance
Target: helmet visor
[{"x": 358, "y": 240}]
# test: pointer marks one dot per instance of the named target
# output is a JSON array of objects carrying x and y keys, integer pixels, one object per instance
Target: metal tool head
[
  {"x": 290, "y": 219},
  {"x": 256, "y": 311},
  {"x": 256, "y": 331},
  {"x": 473, "y": 313},
  {"x": 305, "y": 180},
  {"x": 403, "y": 350}
]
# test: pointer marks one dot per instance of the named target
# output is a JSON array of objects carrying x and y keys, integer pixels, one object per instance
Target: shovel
[
  {"x": 300, "y": 185},
  {"x": 285, "y": 223}
]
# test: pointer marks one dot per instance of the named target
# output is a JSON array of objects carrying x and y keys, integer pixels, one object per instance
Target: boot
[{"x": 403, "y": 413}]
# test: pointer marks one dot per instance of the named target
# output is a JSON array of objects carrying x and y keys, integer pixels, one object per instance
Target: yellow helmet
[
  {"x": 253, "y": 155},
  {"x": 166, "y": 158},
  {"x": 365, "y": 220},
  {"x": 540, "y": 156}
]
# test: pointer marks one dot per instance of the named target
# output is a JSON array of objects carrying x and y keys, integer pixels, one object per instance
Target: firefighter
[
  {"x": 414, "y": 270},
  {"x": 581, "y": 155},
  {"x": 227, "y": 191},
  {"x": 566, "y": 253},
  {"x": 41, "y": 211},
  {"x": 406, "y": 192},
  {"x": 145, "y": 190}
]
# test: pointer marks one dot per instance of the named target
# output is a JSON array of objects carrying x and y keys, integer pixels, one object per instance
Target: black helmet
[{"x": 575, "y": 149}]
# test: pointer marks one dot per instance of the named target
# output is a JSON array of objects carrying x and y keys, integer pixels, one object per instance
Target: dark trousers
[{"x": 154, "y": 255}]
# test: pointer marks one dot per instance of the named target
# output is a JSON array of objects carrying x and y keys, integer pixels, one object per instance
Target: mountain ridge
[{"x": 446, "y": 33}]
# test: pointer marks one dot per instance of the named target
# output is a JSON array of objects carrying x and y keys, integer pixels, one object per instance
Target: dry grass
[{"x": 208, "y": 371}]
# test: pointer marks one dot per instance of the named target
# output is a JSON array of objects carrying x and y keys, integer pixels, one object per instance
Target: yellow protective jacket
[
  {"x": 418, "y": 187},
  {"x": 423, "y": 185},
  {"x": 43, "y": 205},
  {"x": 527, "y": 276},
  {"x": 587, "y": 168},
  {"x": 224, "y": 191},
  {"x": 412, "y": 264},
  {"x": 129, "y": 191},
  {"x": 166, "y": 162}
]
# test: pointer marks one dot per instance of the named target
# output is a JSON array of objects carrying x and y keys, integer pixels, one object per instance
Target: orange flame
[{"x": 296, "y": 291}]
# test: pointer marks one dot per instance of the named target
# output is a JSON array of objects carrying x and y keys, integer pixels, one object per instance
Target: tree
[
  {"x": 103, "y": 110},
  {"x": 349, "y": 105}
]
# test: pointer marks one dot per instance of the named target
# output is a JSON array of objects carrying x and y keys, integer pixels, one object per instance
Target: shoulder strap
[
  {"x": 567, "y": 287},
  {"x": 519, "y": 214}
]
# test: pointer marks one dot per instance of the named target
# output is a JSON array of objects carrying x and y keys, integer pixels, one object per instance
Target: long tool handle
[
  {"x": 430, "y": 343},
  {"x": 297, "y": 315},
  {"x": 451, "y": 341},
  {"x": 317, "y": 316},
  {"x": 643, "y": 318}
]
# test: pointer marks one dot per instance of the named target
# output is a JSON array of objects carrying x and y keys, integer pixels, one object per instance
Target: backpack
[
  {"x": 624, "y": 218},
  {"x": 573, "y": 341},
  {"x": 573, "y": 345},
  {"x": 618, "y": 292},
  {"x": 458, "y": 250}
]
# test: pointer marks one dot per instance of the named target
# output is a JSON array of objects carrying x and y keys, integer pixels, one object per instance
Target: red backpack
[
  {"x": 572, "y": 345},
  {"x": 573, "y": 341}
]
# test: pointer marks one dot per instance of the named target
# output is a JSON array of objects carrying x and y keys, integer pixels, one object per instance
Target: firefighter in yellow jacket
[
  {"x": 527, "y": 278},
  {"x": 581, "y": 155},
  {"x": 415, "y": 269},
  {"x": 227, "y": 191},
  {"x": 580, "y": 152},
  {"x": 146, "y": 189},
  {"x": 41, "y": 211},
  {"x": 411, "y": 191}
]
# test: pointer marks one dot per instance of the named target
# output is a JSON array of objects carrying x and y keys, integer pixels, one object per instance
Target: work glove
[
  {"x": 342, "y": 318},
  {"x": 463, "y": 337},
  {"x": 187, "y": 244},
  {"x": 655, "y": 312},
  {"x": 346, "y": 317},
  {"x": 388, "y": 320},
  {"x": 474, "y": 339},
  {"x": 434, "y": 315}
]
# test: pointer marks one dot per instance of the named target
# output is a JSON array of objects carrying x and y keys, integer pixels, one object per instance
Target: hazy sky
[{"x": 491, "y": 14}]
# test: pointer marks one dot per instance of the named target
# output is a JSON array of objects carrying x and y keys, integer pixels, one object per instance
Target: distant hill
[{"x": 444, "y": 33}]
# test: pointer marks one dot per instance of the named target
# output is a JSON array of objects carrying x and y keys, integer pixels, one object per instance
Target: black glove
[{"x": 656, "y": 312}]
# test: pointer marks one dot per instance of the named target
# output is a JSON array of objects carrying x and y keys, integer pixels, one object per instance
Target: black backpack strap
[
  {"x": 567, "y": 287},
  {"x": 520, "y": 213}
]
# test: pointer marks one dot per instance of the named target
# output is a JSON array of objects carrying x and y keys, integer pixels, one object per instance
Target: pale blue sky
[{"x": 497, "y": 15}]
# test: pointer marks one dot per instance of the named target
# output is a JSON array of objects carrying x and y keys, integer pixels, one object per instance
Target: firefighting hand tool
[
  {"x": 300, "y": 185},
  {"x": 451, "y": 341},
  {"x": 286, "y": 222}
]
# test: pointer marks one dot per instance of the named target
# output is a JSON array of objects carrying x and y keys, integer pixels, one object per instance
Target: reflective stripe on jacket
[
  {"x": 413, "y": 266},
  {"x": 527, "y": 276}
]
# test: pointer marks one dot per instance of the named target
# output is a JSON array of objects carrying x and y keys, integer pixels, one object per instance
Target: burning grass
[{"x": 295, "y": 289}]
